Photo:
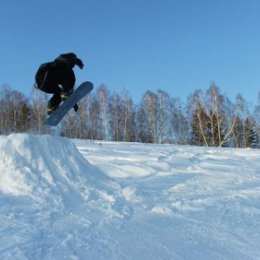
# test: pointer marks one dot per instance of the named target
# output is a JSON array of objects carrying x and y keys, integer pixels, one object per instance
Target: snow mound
[
  {"x": 49, "y": 194},
  {"x": 40, "y": 166}
]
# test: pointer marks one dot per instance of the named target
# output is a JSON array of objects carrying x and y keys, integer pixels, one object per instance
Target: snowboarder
[{"x": 58, "y": 78}]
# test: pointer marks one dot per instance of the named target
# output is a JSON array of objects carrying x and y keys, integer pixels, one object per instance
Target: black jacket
[{"x": 65, "y": 61}]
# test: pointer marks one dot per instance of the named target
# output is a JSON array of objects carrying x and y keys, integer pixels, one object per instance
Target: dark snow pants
[{"x": 55, "y": 80}]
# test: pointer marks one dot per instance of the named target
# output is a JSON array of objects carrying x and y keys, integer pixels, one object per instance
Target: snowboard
[{"x": 72, "y": 100}]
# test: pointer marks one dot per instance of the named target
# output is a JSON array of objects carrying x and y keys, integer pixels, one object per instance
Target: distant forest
[{"x": 208, "y": 118}]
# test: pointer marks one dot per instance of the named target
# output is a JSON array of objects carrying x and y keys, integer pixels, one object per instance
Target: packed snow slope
[{"x": 75, "y": 199}]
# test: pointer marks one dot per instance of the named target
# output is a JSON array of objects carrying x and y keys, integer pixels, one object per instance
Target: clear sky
[{"x": 174, "y": 45}]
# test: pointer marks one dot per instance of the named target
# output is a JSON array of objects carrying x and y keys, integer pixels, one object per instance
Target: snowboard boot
[
  {"x": 64, "y": 95},
  {"x": 51, "y": 108}
]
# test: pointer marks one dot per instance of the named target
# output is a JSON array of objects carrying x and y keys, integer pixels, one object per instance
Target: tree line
[{"x": 208, "y": 118}]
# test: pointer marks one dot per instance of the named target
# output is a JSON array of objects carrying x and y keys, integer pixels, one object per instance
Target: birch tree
[
  {"x": 179, "y": 125},
  {"x": 39, "y": 105},
  {"x": 103, "y": 97},
  {"x": 15, "y": 111}
]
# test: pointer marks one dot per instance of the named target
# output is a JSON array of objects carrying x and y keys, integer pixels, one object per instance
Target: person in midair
[{"x": 57, "y": 77}]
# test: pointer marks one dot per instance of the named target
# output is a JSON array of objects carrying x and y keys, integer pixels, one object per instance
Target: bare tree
[
  {"x": 84, "y": 116},
  {"x": 103, "y": 97},
  {"x": 179, "y": 125},
  {"x": 70, "y": 126},
  {"x": 257, "y": 116},
  {"x": 151, "y": 107},
  {"x": 199, "y": 120},
  {"x": 15, "y": 111},
  {"x": 214, "y": 116},
  {"x": 143, "y": 132},
  {"x": 115, "y": 110},
  {"x": 95, "y": 127},
  {"x": 39, "y": 104},
  {"x": 128, "y": 114},
  {"x": 163, "y": 114}
]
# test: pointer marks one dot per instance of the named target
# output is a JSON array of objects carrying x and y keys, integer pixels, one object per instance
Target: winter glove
[
  {"x": 76, "y": 107},
  {"x": 79, "y": 63}
]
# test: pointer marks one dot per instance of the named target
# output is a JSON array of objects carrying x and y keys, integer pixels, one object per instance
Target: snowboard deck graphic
[{"x": 72, "y": 100}]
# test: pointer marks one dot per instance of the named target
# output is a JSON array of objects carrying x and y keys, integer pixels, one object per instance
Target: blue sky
[{"x": 174, "y": 45}]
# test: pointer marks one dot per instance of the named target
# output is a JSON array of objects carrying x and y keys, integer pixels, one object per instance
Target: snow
[{"x": 76, "y": 199}]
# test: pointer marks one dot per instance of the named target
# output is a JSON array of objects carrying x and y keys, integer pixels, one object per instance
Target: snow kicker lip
[{"x": 29, "y": 161}]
